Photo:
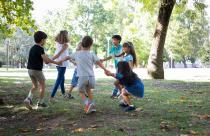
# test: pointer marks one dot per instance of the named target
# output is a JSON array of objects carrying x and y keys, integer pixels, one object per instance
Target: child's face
[
  {"x": 126, "y": 49},
  {"x": 43, "y": 42},
  {"x": 115, "y": 41}
]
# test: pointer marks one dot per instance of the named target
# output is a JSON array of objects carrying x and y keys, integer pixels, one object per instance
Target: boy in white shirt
[{"x": 85, "y": 60}]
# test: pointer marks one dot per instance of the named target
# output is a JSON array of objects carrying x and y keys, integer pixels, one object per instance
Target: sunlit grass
[{"x": 169, "y": 108}]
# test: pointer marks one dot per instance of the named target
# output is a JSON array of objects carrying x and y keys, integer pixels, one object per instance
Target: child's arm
[
  {"x": 123, "y": 53},
  {"x": 48, "y": 60},
  {"x": 64, "y": 47},
  {"x": 130, "y": 64},
  {"x": 105, "y": 59},
  {"x": 73, "y": 61},
  {"x": 100, "y": 64},
  {"x": 66, "y": 58}
]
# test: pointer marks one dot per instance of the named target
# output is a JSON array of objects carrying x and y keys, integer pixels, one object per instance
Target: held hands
[
  {"x": 101, "y": 60},
  {"x": 107, "y": 72},
  {"x": 59, "y": 63}
]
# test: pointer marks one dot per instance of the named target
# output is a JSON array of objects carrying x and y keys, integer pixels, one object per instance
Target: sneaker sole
[
  {"x": 28, "y": 106},
  {"x": 130, "y": 110}
]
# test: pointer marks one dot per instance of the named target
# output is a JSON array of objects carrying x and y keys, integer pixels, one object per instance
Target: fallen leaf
[
  {"x": 164, "y": 126},
  {"x": 94, "y": 126},
  {"x": 39, "y": 129},
  {"x": 183, "y": 98},
  {"x": 79, "y": 130},
  {"x": 139, "y": 109},
  {"x": 205, "y": 117},
  {"x": 23, "y": 130}
]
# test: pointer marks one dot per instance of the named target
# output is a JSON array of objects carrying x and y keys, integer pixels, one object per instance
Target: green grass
[{"x": 169, "y": 108}]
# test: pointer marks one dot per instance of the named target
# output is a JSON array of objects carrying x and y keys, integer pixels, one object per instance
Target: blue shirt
[
  {"x": 114, "y": 51},
  {"x": 128, "y": 58}
]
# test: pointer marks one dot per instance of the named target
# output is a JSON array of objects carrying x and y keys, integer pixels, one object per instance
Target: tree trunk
[
  {"x": 171, "y": 63},
  {"x": 155, "y": 61},
  {"x": 184, "y": 62}
]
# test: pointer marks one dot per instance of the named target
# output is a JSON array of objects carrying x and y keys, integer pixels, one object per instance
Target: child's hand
[
  {"x": 101, "y": 60},
  {"x": 107, "y": 72},
  {"x": 59, "y": 62}
]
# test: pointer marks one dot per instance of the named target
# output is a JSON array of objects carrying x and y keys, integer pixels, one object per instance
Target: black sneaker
[
  {"x": 43, "y": 105},
  {"x": 69, "y": 96},
  {"x": 123, "y": 105},
  {"x": 28, "y": 103},
  {"x": 130, "y": 108}
]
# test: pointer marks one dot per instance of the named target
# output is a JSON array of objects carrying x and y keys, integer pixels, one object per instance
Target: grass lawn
[{"x": 169, "y": 108}]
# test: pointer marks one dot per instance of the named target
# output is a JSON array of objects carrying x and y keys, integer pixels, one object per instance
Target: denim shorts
[{"x": 74, "y": 80}]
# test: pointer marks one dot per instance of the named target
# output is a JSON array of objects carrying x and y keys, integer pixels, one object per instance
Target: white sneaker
[
  {"x": 93, "y": 108},
  {"x": 89, "y": 109},
  {"x": 28, "y": 103}
]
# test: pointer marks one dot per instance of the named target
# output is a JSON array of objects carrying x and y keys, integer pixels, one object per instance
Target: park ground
[{"x": 178, "y": 107}]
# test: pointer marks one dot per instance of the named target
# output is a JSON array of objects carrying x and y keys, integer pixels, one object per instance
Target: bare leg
[
  {"x": 33, "y": 89},
  {"x": 90, "y": 94},
  {"x": 42, "y": 90},
  {"x": 118, "y": 85},
  {"x": 125, "y": 96},
  {"x": 70, "y": 89}
]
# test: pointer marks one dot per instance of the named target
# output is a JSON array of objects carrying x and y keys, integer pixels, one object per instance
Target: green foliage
[
  {"x": 187, "y": 34},
  {"x": 15, "y": 13}
]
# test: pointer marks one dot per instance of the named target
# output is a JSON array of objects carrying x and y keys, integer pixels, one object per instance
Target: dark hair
[
  {"x": 118, "y": 37},
  {"x": 132, "y": 51},
  {"x": 39, "y": 36},
  {"x": 129, "y": 76},
  {"x": 62, "y": 37},
  {"x": 87, "y": 41}
]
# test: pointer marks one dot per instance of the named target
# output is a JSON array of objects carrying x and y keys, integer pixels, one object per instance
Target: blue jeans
[{"x": 59, "y": 81}]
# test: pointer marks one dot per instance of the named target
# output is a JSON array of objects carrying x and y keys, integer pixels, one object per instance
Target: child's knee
[
  {"x": 35, "y": 87},
  {"x": 124, "y": 93}
]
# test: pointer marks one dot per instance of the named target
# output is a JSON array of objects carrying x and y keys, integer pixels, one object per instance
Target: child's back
[
  {"x": 35, "y": 61},
  {"x": 85, "y": 61}
]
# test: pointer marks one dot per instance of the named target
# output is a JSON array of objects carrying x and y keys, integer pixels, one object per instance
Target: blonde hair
[{"x": 62, "y": 37}]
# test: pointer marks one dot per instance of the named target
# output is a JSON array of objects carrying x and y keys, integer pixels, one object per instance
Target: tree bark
[
  {"x": 184, "y": 62},
  {"x": 171, "y": 63},
  {"x": 155, "y": 61}
]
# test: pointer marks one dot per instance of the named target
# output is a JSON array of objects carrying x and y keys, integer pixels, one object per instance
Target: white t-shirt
[
  {"x": 85, "y": 61},
  {"x": 63, "y": 55}
]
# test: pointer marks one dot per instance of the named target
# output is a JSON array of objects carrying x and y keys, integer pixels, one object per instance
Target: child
[
  {"x": 114, "y": 52},
  {"x": 75, "y": 78},
  {"x": 86, "y": 82},
  {"x": 60, "y": 53},
  {"x": 35, "y": 65},
  {"x": 129, "y": 54},
  {"x": 132, "y": 85}
]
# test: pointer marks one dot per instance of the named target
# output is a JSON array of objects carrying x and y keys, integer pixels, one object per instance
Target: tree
[
  {"x": 15, "y": 13},
  {"x": 155, "y": 62},
  {"x": 20, "y": 43}
]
